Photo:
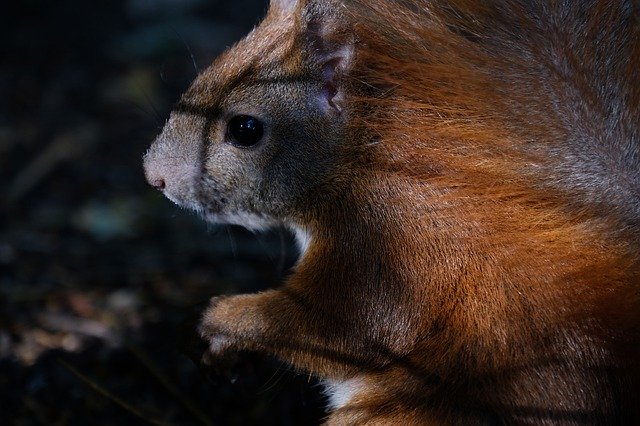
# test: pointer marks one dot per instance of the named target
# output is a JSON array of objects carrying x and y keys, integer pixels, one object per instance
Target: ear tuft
[{"x": 332, "y": 50}]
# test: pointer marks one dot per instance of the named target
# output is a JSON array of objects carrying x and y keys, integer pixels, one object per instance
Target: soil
[{"x": 101, "y": 278}]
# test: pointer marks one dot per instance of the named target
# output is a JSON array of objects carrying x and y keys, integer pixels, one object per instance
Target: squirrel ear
[{"x": 331, "y": 51}]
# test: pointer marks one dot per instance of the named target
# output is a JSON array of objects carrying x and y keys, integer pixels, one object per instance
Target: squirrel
[{"x": 463, "y": 180}]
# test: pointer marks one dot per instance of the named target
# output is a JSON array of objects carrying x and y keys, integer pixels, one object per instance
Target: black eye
[{"x": 245, "y": 130}]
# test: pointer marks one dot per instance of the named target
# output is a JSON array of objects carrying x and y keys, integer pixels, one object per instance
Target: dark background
[{"x": 101, "y": 278}]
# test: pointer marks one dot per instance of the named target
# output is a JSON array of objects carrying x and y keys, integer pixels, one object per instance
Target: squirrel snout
[{"x": 174, "y": 176}]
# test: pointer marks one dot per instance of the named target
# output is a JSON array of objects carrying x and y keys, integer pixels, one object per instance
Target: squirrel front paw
[
  {"x": 233, "y": 323},
  {"x": 213, "y": 331}
]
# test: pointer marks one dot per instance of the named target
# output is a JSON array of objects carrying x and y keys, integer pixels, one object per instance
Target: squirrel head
[{"x": 265, "y": 125}]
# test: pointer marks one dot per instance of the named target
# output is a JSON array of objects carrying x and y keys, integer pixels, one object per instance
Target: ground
[{"x": 101, "y": 278}]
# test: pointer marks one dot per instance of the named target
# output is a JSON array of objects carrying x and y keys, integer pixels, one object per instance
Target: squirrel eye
[{"x": 245, "y": 130}]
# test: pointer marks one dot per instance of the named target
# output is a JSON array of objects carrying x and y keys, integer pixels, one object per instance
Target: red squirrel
[{"x": 463, "y": 179}]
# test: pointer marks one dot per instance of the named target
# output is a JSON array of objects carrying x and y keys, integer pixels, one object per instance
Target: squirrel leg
[
  {"x": 365, "y": 380},
  {"x": 275, "y": 322}
]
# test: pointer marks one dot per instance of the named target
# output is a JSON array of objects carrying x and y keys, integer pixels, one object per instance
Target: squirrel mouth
[{"x": 250, "y": 221}]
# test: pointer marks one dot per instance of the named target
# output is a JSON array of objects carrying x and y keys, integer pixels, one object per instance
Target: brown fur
[{"x": 474, "y": 208}]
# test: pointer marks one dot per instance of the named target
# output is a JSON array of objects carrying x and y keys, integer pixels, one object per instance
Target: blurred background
[{"x": 101, "y": 278}]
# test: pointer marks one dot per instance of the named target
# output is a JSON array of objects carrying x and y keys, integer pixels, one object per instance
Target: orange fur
[{"x": 474, "y": 209}]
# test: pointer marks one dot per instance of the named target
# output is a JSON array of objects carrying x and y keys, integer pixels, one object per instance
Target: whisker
[
  {"x": 147, "y": 98},
  {"x": 283, "y": 251},
  {"x": 232, "y": 243},
  {"x": 186, "y": 45}
]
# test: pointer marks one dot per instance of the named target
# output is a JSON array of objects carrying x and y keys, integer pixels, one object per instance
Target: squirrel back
[{"x": 464, "y": 181}]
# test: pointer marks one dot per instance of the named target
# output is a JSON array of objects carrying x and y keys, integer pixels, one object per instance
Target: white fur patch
[
  {"x": 250, "y": 221},
  {"x": 340, "y": 392},
  {"x": 303, "y": 238}
]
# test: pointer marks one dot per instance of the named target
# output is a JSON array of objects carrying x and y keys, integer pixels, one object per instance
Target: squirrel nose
[
  {"x": 154, "y": 172},
  {"x": 157, "y": 183}
]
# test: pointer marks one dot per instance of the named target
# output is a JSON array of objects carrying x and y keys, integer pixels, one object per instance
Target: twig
[
  {"x": 102, "y": 391},
  {"x": 162, "y": 378},
  {"x": 37, "y": 411},
  {"x": 66, "y": 146}
]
